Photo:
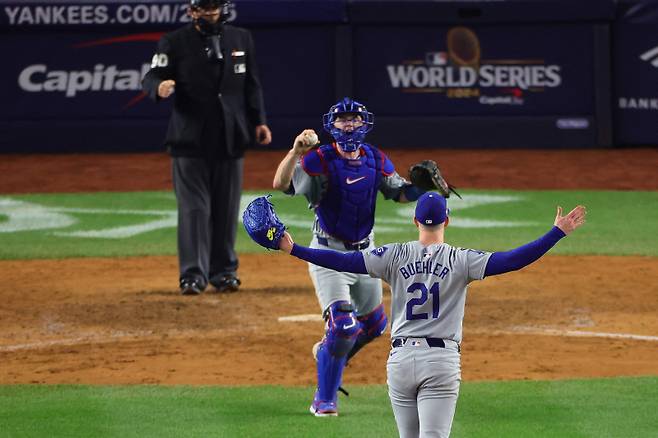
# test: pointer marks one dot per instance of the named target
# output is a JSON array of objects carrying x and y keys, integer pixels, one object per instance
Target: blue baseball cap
[{"x": 431, "y": 209}]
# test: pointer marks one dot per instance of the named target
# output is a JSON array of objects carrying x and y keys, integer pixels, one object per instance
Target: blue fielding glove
[{"x": 262, "y": 223}]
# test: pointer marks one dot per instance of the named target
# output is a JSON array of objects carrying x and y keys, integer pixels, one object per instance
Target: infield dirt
[{"x": 121, "y": 320}]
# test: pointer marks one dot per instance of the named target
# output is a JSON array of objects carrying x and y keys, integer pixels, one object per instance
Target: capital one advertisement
[
  {"x": 92, "y": 80},
  {"x": 485, "y": 70},
  {"x": 81, "y": 76},
  {"x": 97, "y": 75}
]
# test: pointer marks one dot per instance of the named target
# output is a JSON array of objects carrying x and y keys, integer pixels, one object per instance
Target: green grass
[
  {"x": 619, "y": 223},
  {"x": 620, "y": 407}
]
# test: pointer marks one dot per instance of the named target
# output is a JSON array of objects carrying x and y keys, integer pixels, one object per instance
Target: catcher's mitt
[
  {"x": 262, "y": 224},
  {"x": 427, "y": 176}
]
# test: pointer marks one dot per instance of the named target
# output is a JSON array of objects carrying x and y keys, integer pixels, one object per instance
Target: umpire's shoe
[
  {"x": 190, "y": 286},
  {"x": 229, "y": 283}
]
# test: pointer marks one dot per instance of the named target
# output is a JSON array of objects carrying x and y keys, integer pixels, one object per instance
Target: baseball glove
[
  {"x": 262, "y": 223},
  {"x": 427, "y": 176}
]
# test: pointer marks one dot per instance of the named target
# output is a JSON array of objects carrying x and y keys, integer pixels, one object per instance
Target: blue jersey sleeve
[
  {"x": 387, "y": 165},
  {"x": 502, "y": 262},
  {"x": 313, "y": 163},
  {"x": 338, "y": 261}
]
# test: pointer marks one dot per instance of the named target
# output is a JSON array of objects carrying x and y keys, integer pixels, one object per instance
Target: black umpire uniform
[{"x": 217, "y": 103}]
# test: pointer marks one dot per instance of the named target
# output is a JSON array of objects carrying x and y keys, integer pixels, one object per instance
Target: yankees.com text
[{"x": 95, "y": 14}]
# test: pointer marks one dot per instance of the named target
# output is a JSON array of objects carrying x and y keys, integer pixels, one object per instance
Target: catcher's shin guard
[
  {"x": 373, "y": 325},
  {"x": 340, "y": 336}
]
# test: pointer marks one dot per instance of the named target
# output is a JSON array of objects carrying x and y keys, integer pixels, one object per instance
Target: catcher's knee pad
[
  {"x": 373, "y": 324},
  {"x": 342, "y": 328}
]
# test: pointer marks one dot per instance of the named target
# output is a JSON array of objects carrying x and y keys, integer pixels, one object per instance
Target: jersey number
[
  {"x": 159, "y": 60},
  {"x": 434, "y": 290}
]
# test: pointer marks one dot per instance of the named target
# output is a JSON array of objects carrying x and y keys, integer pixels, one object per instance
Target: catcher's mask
[
  {"x": 349, "y": 140},
  {"x": 206, "y": 26}
]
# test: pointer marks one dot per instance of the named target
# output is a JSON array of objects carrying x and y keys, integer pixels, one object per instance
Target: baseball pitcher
[
  {"x": 341, "y": 182},
  {"x": 428, "y": 279}
]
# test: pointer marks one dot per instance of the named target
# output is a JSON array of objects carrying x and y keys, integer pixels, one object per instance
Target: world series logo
[{"x": 461, "y": 72}]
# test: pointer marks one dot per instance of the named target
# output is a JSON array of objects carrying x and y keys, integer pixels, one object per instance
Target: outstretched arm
[
  {"x": 338, "y": 261},
  {"x": 303, "y": 142},
  {"x": 502, "y": 262}
]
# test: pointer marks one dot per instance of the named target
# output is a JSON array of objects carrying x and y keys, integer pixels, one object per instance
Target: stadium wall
[{"x": 524, "y": 73}]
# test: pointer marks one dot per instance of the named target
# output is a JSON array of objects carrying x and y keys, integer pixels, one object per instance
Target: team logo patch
[{"x": 379, "y": 251}]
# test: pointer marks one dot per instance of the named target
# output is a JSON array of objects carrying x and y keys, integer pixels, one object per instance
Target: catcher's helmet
[{"x": 349, "y": 141}]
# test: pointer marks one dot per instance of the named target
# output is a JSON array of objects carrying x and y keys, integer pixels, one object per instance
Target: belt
[
  {"x": 348, "y": 245},
  {"x": 432, "y": 342}
]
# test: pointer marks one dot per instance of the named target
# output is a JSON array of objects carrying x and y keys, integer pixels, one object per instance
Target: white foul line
[
  {"x": 145, "y": 334},
  {"x": 301, "y": 318},
  {"x": 567, "y": 333},
  {"x": 91, "y": 338}
]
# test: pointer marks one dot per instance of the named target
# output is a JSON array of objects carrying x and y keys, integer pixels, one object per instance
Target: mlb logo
[
  {"x": 416, "y": 343},
  {"x": 428, "y": 221},
  {"x": 240, "y": 68},
  {"x": 436, "y": 58}
]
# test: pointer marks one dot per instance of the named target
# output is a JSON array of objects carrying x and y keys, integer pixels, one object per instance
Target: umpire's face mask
[
  {"x": 208, "y": 22},
  {"x": 208, "y": 28},
  {"x": 210, "y": 25}
]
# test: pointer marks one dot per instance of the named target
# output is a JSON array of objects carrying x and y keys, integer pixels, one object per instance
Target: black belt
[
  {"x": 348, "y": 245},
  {"x": 432, "y": 342}
]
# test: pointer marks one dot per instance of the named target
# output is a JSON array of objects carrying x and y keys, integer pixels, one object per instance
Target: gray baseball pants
[
  {"x": 208, "y": 197},
  {"x": 423, "y": 385},
  {"x": 363, "y": 291}
]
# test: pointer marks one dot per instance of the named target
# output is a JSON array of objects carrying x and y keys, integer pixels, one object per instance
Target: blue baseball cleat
[{"x": 321, "y": 408}]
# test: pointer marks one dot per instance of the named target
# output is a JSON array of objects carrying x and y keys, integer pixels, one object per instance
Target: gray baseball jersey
[
  {"x": 331, "y": 286},
  {"x": 428, "y": 287}
]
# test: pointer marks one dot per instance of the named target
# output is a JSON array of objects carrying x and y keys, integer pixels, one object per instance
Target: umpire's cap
[
  {"x": 207, "y": 4},
  {"x": 431, "y": 209}
]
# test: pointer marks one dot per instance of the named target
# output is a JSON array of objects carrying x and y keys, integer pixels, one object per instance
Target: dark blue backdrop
[
  {"x": 539, "y": 77},
  {"x": 636, "y": 73}
]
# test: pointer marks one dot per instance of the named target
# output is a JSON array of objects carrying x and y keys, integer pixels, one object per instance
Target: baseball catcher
[
  {"x": 262, "y": 223},
  {"x": 342, "y": 180},
  {"x": 427, "y": 176}
]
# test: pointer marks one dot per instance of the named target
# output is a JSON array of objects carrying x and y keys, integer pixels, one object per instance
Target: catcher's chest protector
[{"x": 347, "y": 209}]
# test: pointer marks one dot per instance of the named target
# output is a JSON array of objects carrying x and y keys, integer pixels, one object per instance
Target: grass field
[
  {"x": 143, "y": 223},
  {"x": 129, "y": 224},
  {"x": 621, "y": 407}
]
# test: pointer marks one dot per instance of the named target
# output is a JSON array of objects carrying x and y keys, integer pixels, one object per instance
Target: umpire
[{"x": 210, "y": 69}]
